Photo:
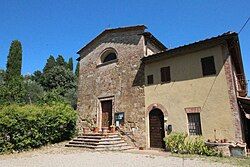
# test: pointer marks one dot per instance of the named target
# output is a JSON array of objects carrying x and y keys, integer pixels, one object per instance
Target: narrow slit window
[{"x": 150, "y": 79}]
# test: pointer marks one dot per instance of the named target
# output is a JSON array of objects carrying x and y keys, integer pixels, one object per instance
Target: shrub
[
  {"x": 175, "y": 142},
  {"x": 181, "y": 143},
  {"x": 30, "y": 126},
  {"x": 12, "y": 91}
]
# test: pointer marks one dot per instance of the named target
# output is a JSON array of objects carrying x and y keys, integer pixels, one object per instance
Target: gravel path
[
  {"x": 101, "y": 159},
  {"x": 60, "y": 156}
]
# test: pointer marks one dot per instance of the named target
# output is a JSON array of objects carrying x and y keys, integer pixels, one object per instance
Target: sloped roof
[
  {"x": 154, "y": 40},
  {"x": 136, "y": 27},
  {"x": 172, "y": 51}
]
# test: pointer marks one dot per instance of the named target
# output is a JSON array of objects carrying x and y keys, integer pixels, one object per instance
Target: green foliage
[
  {"x": 20, "y": 91},
  {"x": 50, "y": 64},
  {"x": 60, "y": 61},
  {"x": 56, "y": 83},
  {"x": 181, "y": 143},
  {"x": 53, "y": 96},
  {"x": 12, "y": 91},
  {"x": 71, "y": 97},
  {"x": 175, "y": 141},
  {"x": 2, "y": 76},
  {"x": 14, "y": 60},
  {"x": 70, "y": 64},
  {"x": 38, "y": 77},
  {"x": 77, "y": 69},
  {"x": 30, "y": 126},
  {"x": 33, "y": 91},
  {"x": 59, "y": 76},
  {"x": 3, "y": 92}
]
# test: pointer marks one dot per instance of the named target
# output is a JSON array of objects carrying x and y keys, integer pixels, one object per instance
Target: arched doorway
[{"x": 156, "y": 128}]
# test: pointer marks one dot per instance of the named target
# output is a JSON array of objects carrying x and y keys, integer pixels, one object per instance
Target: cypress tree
[
  {"x": 51, "y": 62},
  {"x": 60, "y": 61},
  {"x": 14, "y": 60},
  {"x": 70, "y": 64},
  {"x": 77, "y": 69},
  {"x": 2, "y": 76}
]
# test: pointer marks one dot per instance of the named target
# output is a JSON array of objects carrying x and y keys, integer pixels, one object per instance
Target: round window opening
[{"x": 109, "y": 57}]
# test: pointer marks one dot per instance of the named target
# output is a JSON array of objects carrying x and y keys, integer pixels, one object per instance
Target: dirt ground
[{"x": 59, "y": 156}]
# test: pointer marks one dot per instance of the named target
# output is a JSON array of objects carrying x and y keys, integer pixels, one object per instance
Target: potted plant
[
  {"x": 112, "y": 128},
  {"x": 85, "y": 130},
  {"x": 95, "y": 129},
  {"x": 105, "y": 129}
]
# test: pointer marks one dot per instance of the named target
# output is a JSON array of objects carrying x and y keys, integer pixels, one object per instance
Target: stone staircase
[{"x": 100, "y": 142}]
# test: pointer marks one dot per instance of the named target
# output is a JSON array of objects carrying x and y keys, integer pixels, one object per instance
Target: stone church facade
[{"x": 129, "y": 79}]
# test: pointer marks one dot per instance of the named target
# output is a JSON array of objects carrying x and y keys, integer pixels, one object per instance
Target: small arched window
[{"x": 109, "y": 57}]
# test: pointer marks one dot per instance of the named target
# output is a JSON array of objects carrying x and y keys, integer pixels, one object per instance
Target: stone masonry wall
[
  {"x": 122, "y": 80},
  {"x": 232, "y": 95}
]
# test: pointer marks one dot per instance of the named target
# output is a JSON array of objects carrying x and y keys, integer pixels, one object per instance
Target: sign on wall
[{"x": 119, "y": 119}]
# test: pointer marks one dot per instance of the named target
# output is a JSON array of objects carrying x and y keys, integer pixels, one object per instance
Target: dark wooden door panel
[
  {"x": 106, "y": 113},
  {"x": 156, "y": 127}
]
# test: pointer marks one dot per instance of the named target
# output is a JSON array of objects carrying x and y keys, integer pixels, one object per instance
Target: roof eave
[
  {"x": 112, "y": 30},
  {"x": 177, "y": 50},
  {"x": 154, "y": 40}
]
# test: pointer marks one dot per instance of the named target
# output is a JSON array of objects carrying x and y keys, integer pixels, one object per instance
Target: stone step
[
  {"x": 105, "y": 144},
  {"x": 103, "y": 147},
  {"x": 119, "y": 148},
  {"x": 87, "y": 140},
  {"x": 79, "y": 145},
  {"x": 96, "y": 143},
  {"x": 113, "y": 145},
  {"x": 90, "y": 137},
  {"x": 99, "y": 134},
  {"x": 96, "y": 140},
  {"x": 98, "y": 137},
  {"x": 100, "y": 142},
  {"x": 122, "y": 148}
]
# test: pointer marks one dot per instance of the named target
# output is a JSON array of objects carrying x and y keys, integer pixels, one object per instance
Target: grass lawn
[{"x": 239, "y": 161}]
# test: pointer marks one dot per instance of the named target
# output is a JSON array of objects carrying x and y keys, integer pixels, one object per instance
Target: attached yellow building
[{"x": 196, "y": 87}]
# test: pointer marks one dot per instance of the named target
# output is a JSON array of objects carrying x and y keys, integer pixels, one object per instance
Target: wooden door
[
  {"x": 106, "y": 113},
  {"x": 156, "y": 124}
]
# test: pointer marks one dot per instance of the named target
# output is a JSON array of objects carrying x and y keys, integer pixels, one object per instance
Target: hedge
[{"x": 31, "y": 126}]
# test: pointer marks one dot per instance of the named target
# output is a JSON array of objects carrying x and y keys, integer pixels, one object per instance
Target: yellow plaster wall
[{"x": 189, "y": 88}]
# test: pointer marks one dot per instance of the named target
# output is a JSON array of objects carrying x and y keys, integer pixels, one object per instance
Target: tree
[
  {"x": 77, "y": 69},
  {"x": 70, "y": 64},
  {"x": 49, "y": 64},
  {"x": 38, "y": 77},
  {"x": 33, "y": 91},
  {"x": 57, "y": 77},
  {"x": 60, "y": 61},
  {"x": 2, "y": 76},
  {"x": 14, "y": 60},
  {"x": 13, "y": 91},
  {"x": 53, "y": 96},
  {"x": 71, "y": 97}
]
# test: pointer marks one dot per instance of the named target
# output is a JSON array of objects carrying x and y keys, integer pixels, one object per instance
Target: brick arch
[{"x": 157, "y": 106}]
